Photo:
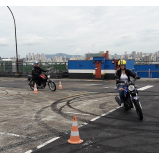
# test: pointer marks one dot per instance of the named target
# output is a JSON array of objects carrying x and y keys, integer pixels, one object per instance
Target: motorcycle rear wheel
[
  {"x": 138, "y": 110},
  {"x": 52, "y": 86},
  {"x": 32, "y": 84}
]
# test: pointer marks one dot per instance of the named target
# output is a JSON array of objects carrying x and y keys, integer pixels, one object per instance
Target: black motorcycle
[
  {"x": 45, "y": 79},
  {"x": 131, "y": 96}
]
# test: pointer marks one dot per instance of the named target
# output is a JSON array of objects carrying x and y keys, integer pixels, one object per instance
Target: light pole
[{"x": 17, "y": 74}]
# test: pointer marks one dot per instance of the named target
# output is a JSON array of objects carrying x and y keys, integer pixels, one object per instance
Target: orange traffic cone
[
  {"x": 60, "y": 85},
  {"x": 35, "y": 89},
  {"x": 74, "y": 137}
]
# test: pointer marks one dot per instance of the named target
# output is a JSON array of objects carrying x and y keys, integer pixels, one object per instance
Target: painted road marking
[
  {"x": 44, "y": 144},
  {"x": 40, "y": 146},
  {"x": 16, "y": 135},
  {"x": 95, "y": 118},
  {"x": 83, "y": 91},
  {"x": 95, "y": 84},
  {"x": 77, "y": 113},
  {"x": 143, "y": 88},
  {"x": 82, "y": 125}
]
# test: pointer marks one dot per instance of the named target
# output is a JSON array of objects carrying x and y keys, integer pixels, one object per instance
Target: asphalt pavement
[{"x": 116, "y": 131}]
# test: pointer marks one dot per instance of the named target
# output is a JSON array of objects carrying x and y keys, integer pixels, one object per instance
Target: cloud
[
  {"x": 80, "y": 29},
  {"x": 33, "y": 40},
  {"x": 3, "y": 42}
]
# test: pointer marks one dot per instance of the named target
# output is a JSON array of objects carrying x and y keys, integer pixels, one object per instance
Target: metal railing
[
  {"x": 26, "y": 67},
  {"x": 149, "y": 75}
]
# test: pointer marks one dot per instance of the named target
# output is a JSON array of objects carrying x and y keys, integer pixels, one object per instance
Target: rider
[
  {"x": 36, "y": 71},
  {"x": 124, "y": 75}
]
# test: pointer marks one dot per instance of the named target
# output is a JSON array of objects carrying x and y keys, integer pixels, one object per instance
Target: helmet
[
  {"x": 121, "y": 62},
  {"x": 35, "y": 62}
]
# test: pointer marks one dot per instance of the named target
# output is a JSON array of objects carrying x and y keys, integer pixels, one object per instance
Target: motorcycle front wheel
[
  {"x": 52, "y": 86},
  {"x": 138, "y": 109}
]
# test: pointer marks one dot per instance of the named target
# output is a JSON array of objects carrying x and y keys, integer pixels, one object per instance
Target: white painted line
[
  {"x": 42, "y": 145},
  {"x": 104, "y": 114},
  {"x": 15, "y": 135},
  {"x": 95, "y": 118},
  {"x": 112, "y": 110},
  {"x": 118, "y": 107},
  {"x": 90, "y": 100},
  {"x": 77, "y": 91},
  {"x": 106, "y": 87},
  {"x": 143, "y": 88},
  {"x": 82, "y": 125},
  {"x": 30, "y": 151},
  {"x": 77, "y": 113},
  {"x": 95, "y": 84}
]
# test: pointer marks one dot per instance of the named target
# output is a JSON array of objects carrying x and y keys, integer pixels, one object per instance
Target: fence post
[{"x": 149, "y": 73}]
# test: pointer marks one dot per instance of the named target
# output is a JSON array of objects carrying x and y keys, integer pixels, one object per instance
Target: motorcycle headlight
[
  {"x": 48, "y": 76},
  {"x": 131, "y": 87}
]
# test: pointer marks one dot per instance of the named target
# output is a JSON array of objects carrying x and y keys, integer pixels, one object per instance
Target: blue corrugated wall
[
  {"x": 143, "y": 70},
  {"x": 80, "y": 64},
  {"x": 130, "y": 64},
  {"x": 109, "y": 65}
]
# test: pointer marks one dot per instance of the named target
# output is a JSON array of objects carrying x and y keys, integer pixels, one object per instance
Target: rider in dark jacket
[
  {"x": 124, "y": 75},
  {"x": 128, "y": 74},
  {"x": 36, "y": 71}
]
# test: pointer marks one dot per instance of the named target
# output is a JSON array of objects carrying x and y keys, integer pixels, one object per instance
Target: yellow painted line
[{"x": 101, "y": 73}]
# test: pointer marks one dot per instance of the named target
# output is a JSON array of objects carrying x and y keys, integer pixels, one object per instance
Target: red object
[
  {"x": 42, "y": 76},
  {"x": 116, "y": 64},
  {"x": 107, "y": 55},
  {"x": 98, "y": 69}
]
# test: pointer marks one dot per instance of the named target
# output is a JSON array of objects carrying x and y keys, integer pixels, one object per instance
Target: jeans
[{"x": 121, "y": 93}]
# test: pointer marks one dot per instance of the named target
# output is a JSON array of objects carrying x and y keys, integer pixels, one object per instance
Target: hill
[{"x": 61, "y": 54}]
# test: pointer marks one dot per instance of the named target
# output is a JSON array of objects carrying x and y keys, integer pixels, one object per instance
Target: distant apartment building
[
  {"x": 134, "y": 54},
  {"x": 125, "y": 55},
  {"x": 89, "y": 56},
  {"x": 41, "y": 57},
  {"x": 137, "y": 56}
]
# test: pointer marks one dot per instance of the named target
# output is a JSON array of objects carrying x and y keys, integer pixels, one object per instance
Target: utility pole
[{"x": 17, "y": 74}]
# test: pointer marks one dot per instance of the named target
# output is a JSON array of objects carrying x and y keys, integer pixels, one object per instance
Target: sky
[{"x": 77, "y": 30}]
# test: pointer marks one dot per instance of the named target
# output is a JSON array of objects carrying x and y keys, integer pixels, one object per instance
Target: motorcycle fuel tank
[{"x": 43, "y": 76}]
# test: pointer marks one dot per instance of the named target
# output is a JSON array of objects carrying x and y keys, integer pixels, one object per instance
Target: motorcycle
[
  {"x": 45, "y": 79},
  {"x": 131, "y": 96}
]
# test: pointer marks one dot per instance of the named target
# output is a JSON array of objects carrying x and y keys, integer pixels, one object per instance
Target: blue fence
[{"x": 147, "y": 71}]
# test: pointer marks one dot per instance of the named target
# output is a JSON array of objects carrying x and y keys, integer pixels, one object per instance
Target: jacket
[
  {"x": 127, "y": 72},
  {"x": 36, "y": 71}
]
